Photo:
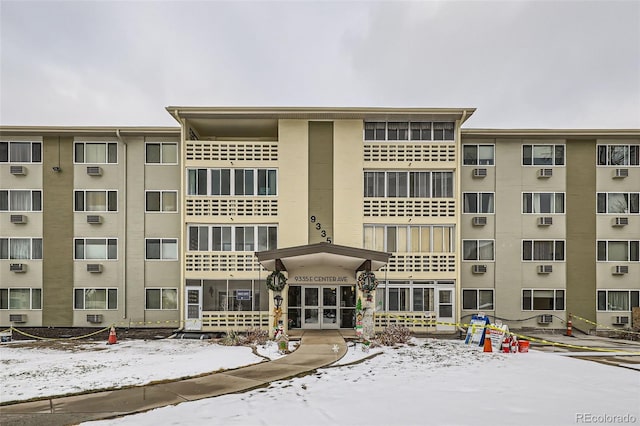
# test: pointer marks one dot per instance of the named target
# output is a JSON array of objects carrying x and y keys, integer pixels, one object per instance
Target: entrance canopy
[{"x": 326, "y": 254}]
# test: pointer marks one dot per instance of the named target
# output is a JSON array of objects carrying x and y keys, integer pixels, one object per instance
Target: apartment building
[{"x": 182, "y": 226}]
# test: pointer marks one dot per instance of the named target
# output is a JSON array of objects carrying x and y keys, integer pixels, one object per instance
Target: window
[
  {"x": 478, "y": 202},
  {"x": 161, "y": 153},
  {"x": 161, "y": 201},
  {"x": 394, "y": 184},
  {"x": 20, "y": 298},
  {"x": 477, "y": 299},
  {"x": 96, "y": 248},
  {"x": 397, "y": 131},
  {"x": 233, "y": 238},
  {"x": 239, "y": 182},
  {"x": 543, "y": 300},
  {"x": 161, "y": 298},
  {"x": 26, "y": 200},
  {"x": 161, "y": 249},
  {"x": 618, "y": 251},
  {"x": 21, "y": 248},
  {"x": 96, "y": 152},
  {"x": 551, "y": 250},
  {"x": 20, "y": 152},
  {"x": 618, "y": 300},
  {"x": 95, "y": 298},
  {"x": 618, "y": 155},
  {"x": 542, "y": 202},
  {"x": 478, "y": 155},
  {"x": 411, "y": 296},
  {"x": 235, "y": 295},
  {"x": 543, "y": 155},
  {"x": 403, "y": 130},
  {"x": 96, "y": 201},
  {"x": 421, "y": 131},
  {"x": 443, "y": 131},
  {"x": 406, "y": 239},
  {"x": 619, "y": 202},
  {"x": 375, "y": 131},
  {"x": 477, "y": 249},
  {"x": 398, "y": 298}
]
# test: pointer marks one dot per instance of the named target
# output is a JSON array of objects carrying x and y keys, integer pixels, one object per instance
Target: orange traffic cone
[
  {"x": 487, "y": 342},
  {"x": 112, "y": 337}
]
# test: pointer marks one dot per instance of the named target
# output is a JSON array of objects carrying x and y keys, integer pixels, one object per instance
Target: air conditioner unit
[
  {"x": 479, "y": 269},
  {"x": 94, "y": 171},
  {"x": 18, "y": 218},
  {"x": 94, "y": 268},
  {"x": 545, "y": 173},
  {"x": 94, "y": 319},
  {"x": 620, "y": 320},
  {"x": 621, "y": 173},
  {"x": 93, "y": 219},
  {"x": 620, "y": 270},
  {"x": 18, "y": 267},
  {"x": 479, "y": 173},
  {"x": 545, "y": 269},
  {"x": 545, "y": 319},
  {"x": 545, "y": 221},
  {"x": 620, "y": 221},
  {"x": 18, "y": 318},
  {"x": 479, "y": 221},
  {"x": 18, "y": 170}
]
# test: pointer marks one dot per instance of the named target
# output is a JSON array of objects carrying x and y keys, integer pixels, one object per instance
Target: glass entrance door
[
  {"x": 311, "y": 307},
  {"x": 329, "y": 307},
  {"x": 193, "y": 308}
]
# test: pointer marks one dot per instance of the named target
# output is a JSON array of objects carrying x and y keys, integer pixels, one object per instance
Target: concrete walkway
[{"x": 317, "y": 349}]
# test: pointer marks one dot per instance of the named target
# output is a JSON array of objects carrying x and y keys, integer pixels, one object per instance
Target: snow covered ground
[{"x": 429, "y": 382}]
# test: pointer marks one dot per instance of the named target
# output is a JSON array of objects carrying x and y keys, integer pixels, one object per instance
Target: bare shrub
[
  {"x": 393, "y": 335},
  {"x": 254, "y": 336}
]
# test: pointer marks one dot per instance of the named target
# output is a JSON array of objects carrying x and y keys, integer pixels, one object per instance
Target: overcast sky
[{"x": 559, "y": 64}]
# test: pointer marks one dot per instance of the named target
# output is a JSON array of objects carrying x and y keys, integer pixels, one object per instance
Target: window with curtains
[
  {"x": 543, "y": 155},
  {"x": 410, "y": 239},
  {"x": 161, "y": 153},
  {"x": 95, "y": 298},
  {"x": 477, "y": 250},
  {"x": 407, "y": 295},
  {"x": 161, "y": 249},
  {"x": 542, "y": 300},
  {"x": 20, "y": 200},
  {"x": 478, "y": 155},
  {"x": 403, "y": 184},
  {"x": 232, "y": 238},
  {"x": 618, "y": 300},
  {"x": 161, "y": 201},
  {"x": 478, "y": 202},
  {"x": 96, "y": 201},
  {"x": 20, "y": 298},
  {"x": 237, "y": 182},
  {"x": 95, "y": 248},
  {"x": 618, "y": 251},
  {"x": 96, "y": 152},
  {"x": 409, "y": 130},
  {"x": 20, "y": 152},
  {"x": 161, "y": 299},
  {"x": 234, "y": 295},
  {"x": 543, "y": 202},
  {"x": 475, "y": 299},
  {"x": 21, "y": 248},
  {"x": 618, "y": 155},
  {"x": 548, "y": 250},
  {"x": 618, "y": 202}
]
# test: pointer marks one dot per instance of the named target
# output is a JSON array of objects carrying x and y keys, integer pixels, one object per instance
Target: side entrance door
[{"x": 193, "y": 308}]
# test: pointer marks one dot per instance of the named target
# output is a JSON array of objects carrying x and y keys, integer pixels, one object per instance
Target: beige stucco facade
[{"x": 330, "y": 178}]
